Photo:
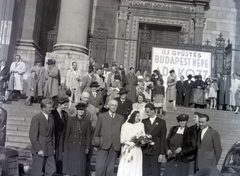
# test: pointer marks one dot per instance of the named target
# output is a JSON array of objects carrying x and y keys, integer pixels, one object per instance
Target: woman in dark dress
[
  {"x": 77, "y": 142},
  {"x": 181, "y": 144},
  {"x": 60, "y": 123}
]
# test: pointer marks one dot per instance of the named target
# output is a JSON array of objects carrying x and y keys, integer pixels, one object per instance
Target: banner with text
[{"x": 184, "y": 62}]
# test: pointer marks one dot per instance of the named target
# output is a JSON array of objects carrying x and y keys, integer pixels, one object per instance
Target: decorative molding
[
  {"x": 162, "y": 6},
  {"x": 132, "y": 33},
  {"x": 123, "y": 15},
  {"x": 199, "y": 22}
]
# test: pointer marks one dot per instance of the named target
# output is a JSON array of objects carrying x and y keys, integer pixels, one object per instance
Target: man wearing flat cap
[
  {"x": 124, "y": 104},
  {"x": 77, "y": 142},
  {"x": 96, "y": 98},
  {"x": 187, "y": 90},
  {"x": 60, "y": 116},
  {"x": 181, "y": 144}
]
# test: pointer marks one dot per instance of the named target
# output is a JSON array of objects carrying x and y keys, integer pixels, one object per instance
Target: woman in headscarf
[{"x": 181, "y": 144}]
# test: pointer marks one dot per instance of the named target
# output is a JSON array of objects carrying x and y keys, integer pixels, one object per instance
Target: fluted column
[{"x": 73, "y": 26}]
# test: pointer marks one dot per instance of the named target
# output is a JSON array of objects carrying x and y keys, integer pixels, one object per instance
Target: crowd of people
[
  {"x": 220, "y": 93},
  {"x": 106, "y": 109}
]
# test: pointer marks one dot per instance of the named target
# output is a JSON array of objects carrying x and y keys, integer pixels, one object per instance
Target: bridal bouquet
[{"x": 141, "y": 139}]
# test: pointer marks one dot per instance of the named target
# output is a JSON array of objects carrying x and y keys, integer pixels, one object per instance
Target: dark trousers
[
  {"x": 105, "y": 162},
  {"x": 47, "y": 162},
  {"x": 151, "y": 166}
]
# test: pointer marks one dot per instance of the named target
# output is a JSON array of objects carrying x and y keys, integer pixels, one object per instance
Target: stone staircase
[{"x": 19, "y": 117}]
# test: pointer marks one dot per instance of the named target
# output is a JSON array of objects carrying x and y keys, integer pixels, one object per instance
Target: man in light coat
[
  {"x": 73, "y": 80},
  {"x": 208, "y": 145},
  {"x": 17, "y": 69}
]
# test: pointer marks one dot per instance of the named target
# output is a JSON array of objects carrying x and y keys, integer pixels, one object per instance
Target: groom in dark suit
[
  {"x": 153, "y": 156},
  {"x": 108, "y": 128}
]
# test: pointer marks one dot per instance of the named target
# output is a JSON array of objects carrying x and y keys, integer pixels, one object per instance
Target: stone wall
[
  {"x": 104, "y": 21},
  {"x": 223, "y": 16}
]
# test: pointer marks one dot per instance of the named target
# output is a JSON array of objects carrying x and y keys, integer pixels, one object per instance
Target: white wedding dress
[{"x": 131, "y": 160}]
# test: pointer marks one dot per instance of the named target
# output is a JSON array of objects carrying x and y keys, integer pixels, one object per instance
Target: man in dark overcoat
[
  {"x": 131, "y": 84},
  {"x": 4, "y": 76},
  {"x": 124, "y": 104},
  {"x": 77, "y": 142},
  {"x": 224, "y": 84},
  {"x": 3, "y": 121},
  {"x": 42, "y": 138},
  {"x": 153, "y": 156},
  {"x": 179, "y": 87},
  {"x": 187, "y": 90},
  {"x": 108, "y": 128}
]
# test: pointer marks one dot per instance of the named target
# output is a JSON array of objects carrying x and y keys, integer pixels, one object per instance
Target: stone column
[
  {"x": 73, "y": 26},
  {"x": 72, "y": 36}
]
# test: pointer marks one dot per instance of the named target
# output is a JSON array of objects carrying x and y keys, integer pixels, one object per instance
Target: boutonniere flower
[{"x": 156, "y": 123}]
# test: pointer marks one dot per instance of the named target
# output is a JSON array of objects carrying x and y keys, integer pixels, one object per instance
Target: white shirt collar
[
  {"x": 180, "y": 130},
  {"x": 45, "y": 115},
  {"x": 153, "y": 119},
  {"x": 203, "y": 132},
  {"x": 111, "y": 114}
]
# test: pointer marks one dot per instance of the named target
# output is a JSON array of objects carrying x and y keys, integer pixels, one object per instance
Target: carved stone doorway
[{"x": 155, "y": 35}]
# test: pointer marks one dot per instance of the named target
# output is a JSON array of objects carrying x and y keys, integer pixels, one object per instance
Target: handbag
[{"x": 97, "y": 142}]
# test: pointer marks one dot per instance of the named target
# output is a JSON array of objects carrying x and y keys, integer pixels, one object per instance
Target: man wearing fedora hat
[
  {"x": 96, "y": 98},
  {"x": 187, "y": 90},
  {"x": 41, "y": 74},
  {"x": 124, "y": 104}
]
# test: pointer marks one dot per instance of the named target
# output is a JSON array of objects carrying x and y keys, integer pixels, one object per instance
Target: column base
[
  {"x": 70, "y": 47},
  {"x": 64, "y": 61}
]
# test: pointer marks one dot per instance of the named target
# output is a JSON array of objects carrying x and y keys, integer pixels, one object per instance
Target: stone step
[
  {"x": 22, "y": 139},
  {"x": 20, "y": 145},
  {"x": 18, "y": 122},
  {"x": 17, "y": 133},
  {"x": 17, "y": 128}
]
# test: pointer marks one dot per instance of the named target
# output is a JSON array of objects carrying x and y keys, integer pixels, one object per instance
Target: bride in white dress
[{"x": 131, "y": 155}]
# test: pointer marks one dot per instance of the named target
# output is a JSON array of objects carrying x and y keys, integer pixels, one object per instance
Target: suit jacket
[
  {"x": 86, "y": 81},
  {"x": 158, "y": 131},
  {"x": 209, "y": 149},
  {"x": 96, "y": 101},
  {"x": 125, "y": 108},
  {"x": 223, "y": 92},
  {"x": 109, "y": 129},
  {"x": 4, "y": 73},
  {"x": 187, "y": 88},
  {"x": 3, "y": 121},
  {"x": 41, "y": 134}
]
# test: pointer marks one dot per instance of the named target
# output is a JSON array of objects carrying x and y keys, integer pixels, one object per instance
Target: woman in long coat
[
  {"x": 51, "y": 86},
  {"x": 131, "y": 84},
  {"x": 77, "y": 142},
  {"x": 181, "y": 145},
  {"x": 171, "y": 89}
]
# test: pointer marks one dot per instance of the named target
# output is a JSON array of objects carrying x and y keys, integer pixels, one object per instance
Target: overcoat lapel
[
  {"x": 108, "y": 118},
  {"x": 116, "y": 118}
]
